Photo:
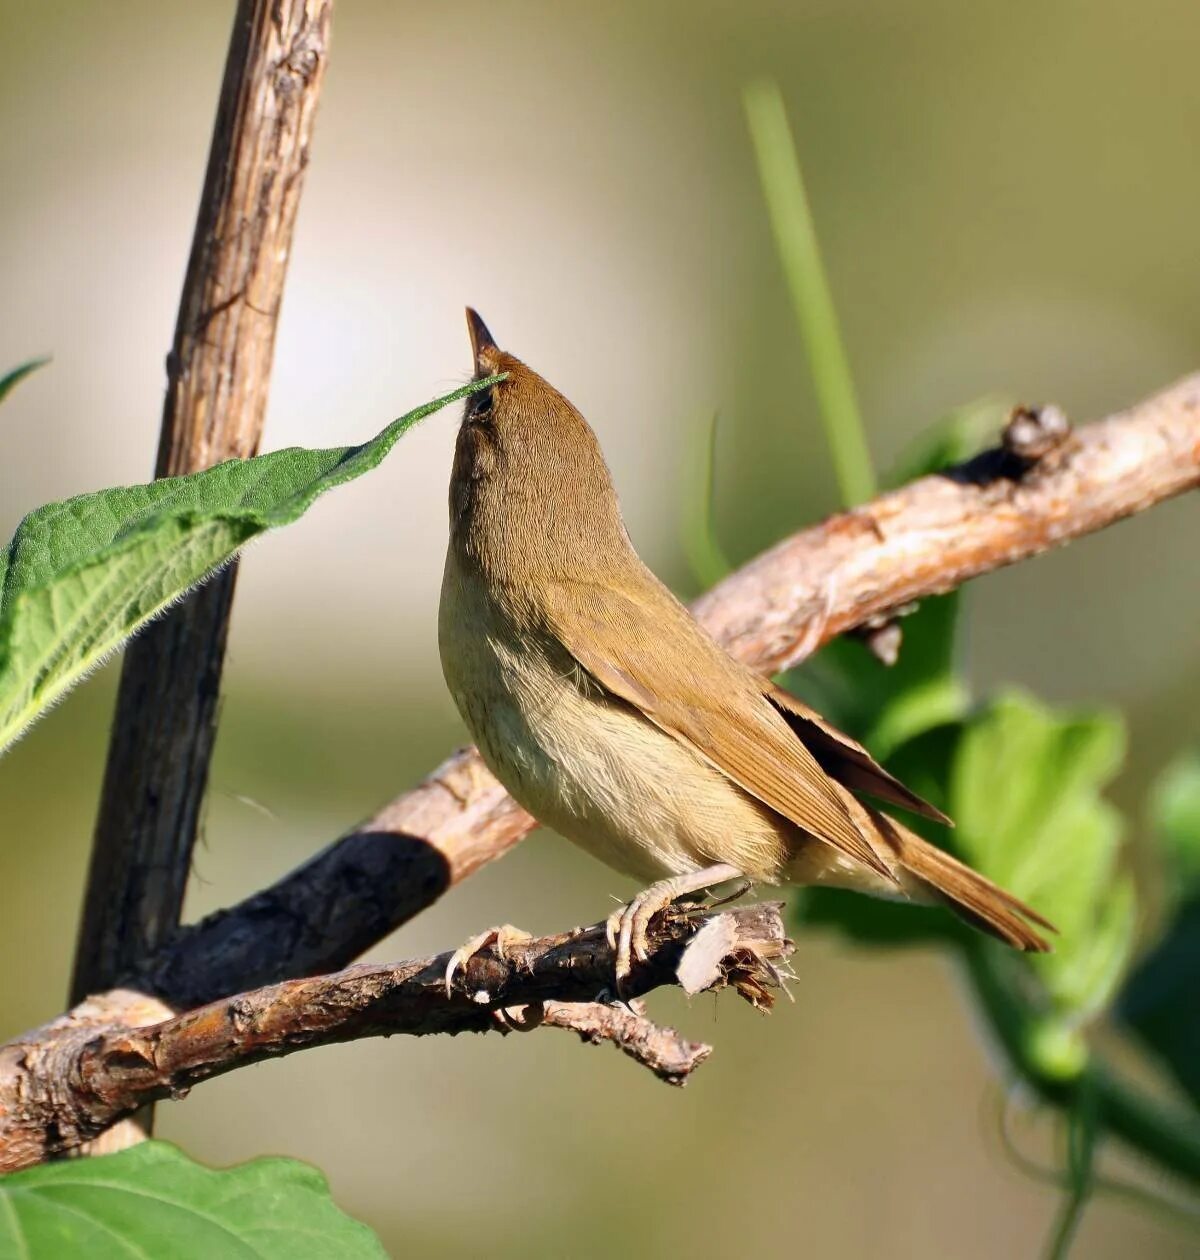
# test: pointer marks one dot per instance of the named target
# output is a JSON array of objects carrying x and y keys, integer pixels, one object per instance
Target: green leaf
[
  {"x": 1025, "y": 791},
  {"x": 886, "y": 705},
  {"x": 1162, "y": 996},
  {"x": 79, "y": 577},
  {"x": 151, "y": 1200},
  {"x": 9, "y": 382}
]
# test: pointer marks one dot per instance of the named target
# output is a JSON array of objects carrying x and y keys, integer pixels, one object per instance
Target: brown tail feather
[
  {"x": 972, "y": 897},
  {"x": 927, "y": 873}
]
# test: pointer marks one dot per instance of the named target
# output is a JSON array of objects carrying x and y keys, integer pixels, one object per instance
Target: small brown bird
[{"x": 608, "y": 712}]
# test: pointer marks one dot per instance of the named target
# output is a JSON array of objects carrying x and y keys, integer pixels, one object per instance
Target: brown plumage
[{"x": 614, "y": 718}]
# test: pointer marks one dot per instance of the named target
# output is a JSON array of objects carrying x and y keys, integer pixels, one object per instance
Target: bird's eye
[{"x": 480, "y": 406}]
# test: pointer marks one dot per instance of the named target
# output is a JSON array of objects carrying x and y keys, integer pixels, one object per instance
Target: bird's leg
[
  {"x": 501, "y": 937},
  {"x": 627, "y": 925}
]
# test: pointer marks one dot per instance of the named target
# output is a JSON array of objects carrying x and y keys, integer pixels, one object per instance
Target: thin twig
[
  {"x": 669, "y": 1056},
  {"x": 76, "y": 1081}
]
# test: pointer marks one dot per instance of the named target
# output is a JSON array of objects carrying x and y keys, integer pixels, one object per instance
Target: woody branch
[
  {"x": 78, "y": 1080},
  {"x": 851, "y": 570},
  {"x": 1043, "y": 487},
  {"x": 218, "y": 377}
]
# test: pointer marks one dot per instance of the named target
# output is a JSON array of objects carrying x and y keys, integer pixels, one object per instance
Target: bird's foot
[
  {"x": 628, "y": 925},
  {"x": 502, "y": 938}
]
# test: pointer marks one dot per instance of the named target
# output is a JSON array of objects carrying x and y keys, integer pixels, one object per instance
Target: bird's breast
[{"x": 585, "y": 764}]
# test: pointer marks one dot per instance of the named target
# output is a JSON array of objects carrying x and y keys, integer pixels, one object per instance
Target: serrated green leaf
[
  {"x": 10, "y": 380},
  {"x": 81, "y": 576},
  {"x": 1089, "y": 978},
  {"x": 152, "y": 1201},
  {"x": 1025, "y": 791}
]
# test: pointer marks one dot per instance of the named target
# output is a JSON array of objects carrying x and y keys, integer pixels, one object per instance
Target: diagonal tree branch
[
  {"x": 924, "y": 538},
  {"x": 936, "y": 533},
  {"x": 77, "y": 1082},
  {"x": 218, "y": 373}
]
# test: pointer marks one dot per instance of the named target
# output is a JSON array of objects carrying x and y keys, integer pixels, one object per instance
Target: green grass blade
[
  {"x": 698, "y": 532},
  {"x": 12, "y": 379},
  {"x": 796, "y": 238}
]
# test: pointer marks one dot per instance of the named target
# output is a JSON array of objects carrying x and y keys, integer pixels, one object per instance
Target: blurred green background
[{"x": 1006, "y": 197}]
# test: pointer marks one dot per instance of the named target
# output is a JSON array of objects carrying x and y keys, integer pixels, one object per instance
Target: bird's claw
[
  {"x": 631, "y": 1006},
  {"x": 627, "y": 927},
  {"x": 501, "y": 938},
  {"x": 520, "y": 1018}
]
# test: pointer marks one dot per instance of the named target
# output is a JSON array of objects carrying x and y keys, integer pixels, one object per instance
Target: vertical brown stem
[{"x": 218, "y": 373}]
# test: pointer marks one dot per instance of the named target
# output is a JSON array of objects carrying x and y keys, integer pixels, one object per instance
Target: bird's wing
[
  {"x": 645, "y": 648},
  {"x": 845, "y": 760}
]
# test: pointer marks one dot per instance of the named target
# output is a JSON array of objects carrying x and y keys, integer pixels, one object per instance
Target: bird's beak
[{"x": 483, "y": 347}]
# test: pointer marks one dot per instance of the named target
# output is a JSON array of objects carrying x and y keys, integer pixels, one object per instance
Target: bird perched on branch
[{"x": 607, "y": 711}]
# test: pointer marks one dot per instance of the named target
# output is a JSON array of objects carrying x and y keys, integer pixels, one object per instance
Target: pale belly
[{"x": 599, "y": 773}]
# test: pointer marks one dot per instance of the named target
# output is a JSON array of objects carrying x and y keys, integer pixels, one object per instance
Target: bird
[{"x": 609, "y": 713}]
